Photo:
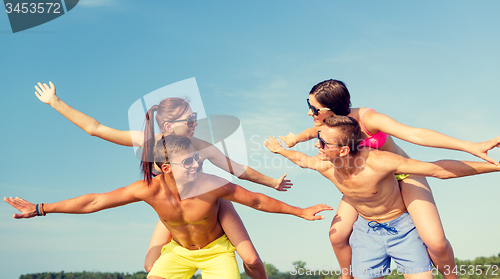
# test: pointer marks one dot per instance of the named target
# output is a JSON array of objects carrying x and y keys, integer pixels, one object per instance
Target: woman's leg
[
  {"x": 161, "y": 236},
  {"x": 238, "y": 235},
  {"x": 417, "y": 196},
  {"x": 340, "y": 231}
]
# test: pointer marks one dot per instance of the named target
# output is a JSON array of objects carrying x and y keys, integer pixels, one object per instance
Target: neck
[
  {"x": 348, "y": 164},
  {"x": 174, "y": 185}
]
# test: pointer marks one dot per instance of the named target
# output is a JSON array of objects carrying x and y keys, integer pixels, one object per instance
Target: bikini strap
[{"x": 361, "y": 121}]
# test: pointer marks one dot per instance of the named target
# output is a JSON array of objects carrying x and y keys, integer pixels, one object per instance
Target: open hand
[
  {"x": 283, "y": 184},
  {"x": 273, "y": 144},
  {"x": 310, "y": 212},
  {"x": 45, "y": 93},
  {"x": 481, "y": 149},
  {"x": 289, "y": 140},
  {"x": 28, "y": 209}
]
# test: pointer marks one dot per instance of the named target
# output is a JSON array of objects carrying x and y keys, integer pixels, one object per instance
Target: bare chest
[{"x": 193, "y": 211}]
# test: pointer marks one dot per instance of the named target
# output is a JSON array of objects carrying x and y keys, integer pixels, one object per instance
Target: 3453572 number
[{"x": 33, "y": 8}]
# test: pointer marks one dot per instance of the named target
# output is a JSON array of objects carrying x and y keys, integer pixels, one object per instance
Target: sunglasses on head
[
  {"x": 315, "y": 110},
  {"x": 190, "y": 121},
  {"x": 323, "y": 143},
  {"x": 189, "y": 161}
]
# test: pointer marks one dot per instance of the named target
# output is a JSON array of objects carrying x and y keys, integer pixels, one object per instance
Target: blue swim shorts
[{"x": 374, "y": 244}]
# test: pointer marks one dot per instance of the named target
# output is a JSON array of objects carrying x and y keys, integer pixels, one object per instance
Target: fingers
[
  {"x": 51, "y": 85},
  {"x": 490, "y": 160},
  {"x": 41, "y": 86},
  {"x": 40, "y": 91}
]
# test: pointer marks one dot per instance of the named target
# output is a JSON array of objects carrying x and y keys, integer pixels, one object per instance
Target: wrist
[{"x": 54, "y": 101}]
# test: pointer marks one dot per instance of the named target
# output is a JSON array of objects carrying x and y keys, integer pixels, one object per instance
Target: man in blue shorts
[{"x": 383, "y": 229}]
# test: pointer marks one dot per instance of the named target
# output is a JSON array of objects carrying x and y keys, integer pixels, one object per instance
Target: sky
[{"x": 426, "y": 64}]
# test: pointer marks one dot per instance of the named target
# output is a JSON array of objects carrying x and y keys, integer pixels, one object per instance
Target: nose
[
  {"x": 316, "y": 144},
  {"x": 195, "y": 164},
  {"x": 310, "y": 112}
]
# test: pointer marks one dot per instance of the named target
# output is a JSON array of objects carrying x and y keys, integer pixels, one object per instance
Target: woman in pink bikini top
[
  {"x": 374, "y": 141},
  {"x": 331, "y": 97}
]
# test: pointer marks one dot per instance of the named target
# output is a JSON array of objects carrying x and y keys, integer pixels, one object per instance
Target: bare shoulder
[
  {"x": 381, "y": 160},
  {"x": 142, "y": 189},
  {"x": 214, "y": 185},
  {"x": 210, "y": 179}
]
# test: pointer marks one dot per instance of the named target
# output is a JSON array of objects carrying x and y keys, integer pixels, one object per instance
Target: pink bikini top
[{"x": 373, "y": 141}]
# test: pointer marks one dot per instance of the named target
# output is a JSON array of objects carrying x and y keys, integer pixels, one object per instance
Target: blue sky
[{"x": 427, "y": 64}]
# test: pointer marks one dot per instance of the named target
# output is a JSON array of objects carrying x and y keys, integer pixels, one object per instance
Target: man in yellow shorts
[{"x": 198, "y": 239}]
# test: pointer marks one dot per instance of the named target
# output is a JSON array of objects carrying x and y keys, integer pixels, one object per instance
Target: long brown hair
[{"x": 168, "y": 110}]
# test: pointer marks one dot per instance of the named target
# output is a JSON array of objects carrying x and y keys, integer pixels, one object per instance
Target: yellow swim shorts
[{"x": 216, "y": 260}]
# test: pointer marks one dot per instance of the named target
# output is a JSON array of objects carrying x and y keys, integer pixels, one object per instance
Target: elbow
[
  {"x": 93, "y": 131},
  {"x": 442, "y": 174},
  {"x": 256, "y": 204}
]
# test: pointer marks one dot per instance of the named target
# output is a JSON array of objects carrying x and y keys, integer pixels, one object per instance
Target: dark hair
[
  {"x": 333, "y": 94},
  {"x": 350, "y": 131},
  {"x": 168, "y": 110},
  {"x": 169, "y": 144}
]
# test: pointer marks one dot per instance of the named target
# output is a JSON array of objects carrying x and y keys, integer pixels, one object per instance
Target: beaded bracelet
[
  {"x": 42, "y": 211},
  {"x": 37, "y": 210}
]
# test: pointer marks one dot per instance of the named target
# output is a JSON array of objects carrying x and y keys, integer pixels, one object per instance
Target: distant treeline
[{"x": 479, "y": 268}]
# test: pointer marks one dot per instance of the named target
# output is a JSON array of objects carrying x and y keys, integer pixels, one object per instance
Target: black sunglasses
[
  {"x": 190, "y": 121},
  {"x": 189, "y": 161},
  {"x": 323, "y": 143},
  {"x": 315, "y": 110}
]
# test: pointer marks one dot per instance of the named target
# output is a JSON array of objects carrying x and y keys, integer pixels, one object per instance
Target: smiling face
[
  {"x": 183, "y": 165},
  {"x": 180, "y": 127},
  {"x": 332, "y": 147},
  {"x": 322, "y": 115}
]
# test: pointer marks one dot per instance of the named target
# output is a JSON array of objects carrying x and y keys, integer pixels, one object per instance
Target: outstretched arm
[
  {"x": 47, "y": 94},
  {"x": 80, "y": 205},
  {"x": 375, "y": 121},
  {"x": 291, "y": 139},
  {"x": 216, "y": 157},
  {"x": 300, "y": 159},
  {"x": 267, "y": 204},
  {"x": 442, "y": 169}
]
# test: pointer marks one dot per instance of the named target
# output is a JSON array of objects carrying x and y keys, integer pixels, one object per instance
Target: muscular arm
[
  {"x": 291, "y": 139},
  {"x": 442, "y": 169},
  {"x": 88, "y": 203},
  {"x": 375, "y": 121},
  {"x": 298, "y": 158},
  {"x": 47, "y": 94},
  {"x": 265, "y": 203}
]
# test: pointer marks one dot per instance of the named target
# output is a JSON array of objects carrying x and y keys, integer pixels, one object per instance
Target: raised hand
[
  {"x": 45, "y": 93},
  {"x": 28, "y": 209},
  {"x": 273, "y": 144},
  {"x": 481, "y": 149},
  {"x": 283, "y": 184},
  {"x": 289, "y": 140},
  {"x": 310, "y": 212}
]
